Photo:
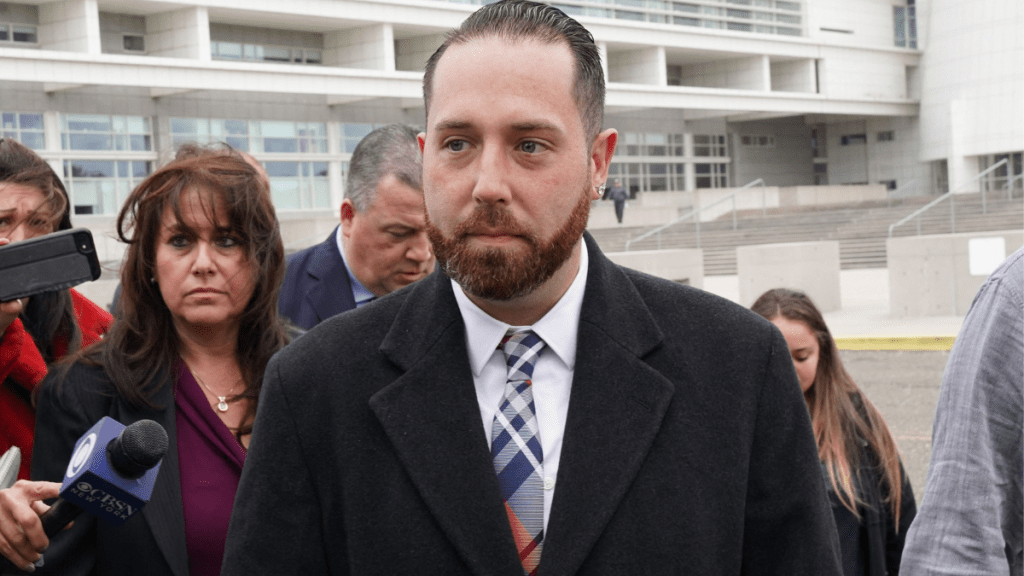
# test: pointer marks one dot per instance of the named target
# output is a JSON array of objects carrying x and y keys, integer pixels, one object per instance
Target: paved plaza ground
[{"x": 904, "y": 386}]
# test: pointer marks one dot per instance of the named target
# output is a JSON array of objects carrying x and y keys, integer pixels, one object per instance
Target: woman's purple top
[{"x": 210, "y": 464}]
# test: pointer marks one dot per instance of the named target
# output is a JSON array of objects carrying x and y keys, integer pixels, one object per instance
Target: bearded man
[{"x": 535, "y": 408}]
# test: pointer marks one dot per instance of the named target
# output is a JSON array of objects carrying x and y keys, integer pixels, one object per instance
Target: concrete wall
[
  {"x": 748, "y": 73},
  {"x": 644, "y": 66},
  {"x": 811, "y": 267},
  {"x": 179, "y": 34},
  {"x": 371, "y": 47},
  {"x": 972, "y": 86},
  {"x": 794, "y": 76},
  {"x": 72, "y": 26},
  {"x": 113, "y": 27},
  {"x": 931, "y": 275},
  {"x": 411, "y": 54},
  {"x": 680, "y": 265}
]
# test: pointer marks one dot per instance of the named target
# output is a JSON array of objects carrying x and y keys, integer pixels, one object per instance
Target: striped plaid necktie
[{"x": 516, "y": 450}]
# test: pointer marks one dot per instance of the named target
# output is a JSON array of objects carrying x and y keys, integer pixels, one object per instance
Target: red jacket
[{"x": 22, "y": 364}]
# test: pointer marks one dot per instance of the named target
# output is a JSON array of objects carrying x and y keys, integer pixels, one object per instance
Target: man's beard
[{"x": 506, "y": 273}]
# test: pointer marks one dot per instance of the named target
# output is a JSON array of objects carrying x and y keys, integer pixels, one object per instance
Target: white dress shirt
[{"x": 552, "y": 374}]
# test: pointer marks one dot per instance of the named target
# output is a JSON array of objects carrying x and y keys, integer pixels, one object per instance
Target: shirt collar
[
  {"x": 359, "y": 292},
  {"x": 558, "y": 328}
]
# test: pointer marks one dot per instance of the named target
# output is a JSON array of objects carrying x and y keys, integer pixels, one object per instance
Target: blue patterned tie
[{"x": 516, "y": 450}]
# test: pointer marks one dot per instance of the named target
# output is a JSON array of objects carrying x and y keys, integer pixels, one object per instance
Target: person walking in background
[
  {"x": 872, "y": 500},
  {"x": 618, "y": 195},
  {"x": 972, "y": 514},
  {"x": 381, "y": 244}
]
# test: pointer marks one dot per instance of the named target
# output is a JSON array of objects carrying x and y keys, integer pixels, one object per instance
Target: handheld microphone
[
  {"x": 10, "y": 462},
  {"x": 111, "y": 473}
]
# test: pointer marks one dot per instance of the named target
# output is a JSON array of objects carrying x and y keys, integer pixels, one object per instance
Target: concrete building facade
[{"x": 920, "y": 95}]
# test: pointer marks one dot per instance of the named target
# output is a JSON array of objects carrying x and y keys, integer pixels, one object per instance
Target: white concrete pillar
[
  {"x": 372, "y": 47},
  {"x": 334, "y": 176},
  {"x": 70, "y": 26},
  {"x": 51, "y": 132},
  {"x": 689, "y": 174},
  {"x": 961, "y": 169},
  {"x": 179, "y": 34},
  {"x": 766, "y": 73}
]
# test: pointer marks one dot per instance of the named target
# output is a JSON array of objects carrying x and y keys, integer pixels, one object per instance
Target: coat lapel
[
  {"x": 432, "y": 418},
  {"x": 164, "y": 512},
  {"x": 616, "y": 408},
  {"x": 330, "y": 291}
]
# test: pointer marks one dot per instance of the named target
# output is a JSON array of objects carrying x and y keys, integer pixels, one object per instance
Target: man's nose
[
  {"x": 491, "y": 185},
  {"x": 419, "y": 248}
]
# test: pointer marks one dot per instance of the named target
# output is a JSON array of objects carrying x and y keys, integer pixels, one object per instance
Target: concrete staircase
[{"x": 861, "y": 229}]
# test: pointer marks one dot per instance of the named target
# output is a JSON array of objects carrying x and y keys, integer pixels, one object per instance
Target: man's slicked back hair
[
  {"x": 391, "y": 149},
  {"x": 518, "y": 20}
]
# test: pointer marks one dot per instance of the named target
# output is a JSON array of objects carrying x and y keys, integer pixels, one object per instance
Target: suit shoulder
[
  {"x": 78, "y": 385},
  {"x": 356, "y": 332}
]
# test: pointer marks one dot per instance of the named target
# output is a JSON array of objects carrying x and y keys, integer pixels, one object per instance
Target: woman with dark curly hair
[
  {"x": 197, "y": 323},
  {"x": 38, "y": 330},
  {"x": 871, "y": 497}
]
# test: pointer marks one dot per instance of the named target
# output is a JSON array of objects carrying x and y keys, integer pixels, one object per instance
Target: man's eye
[
  {"x": 530, "y": 147},
  {"x": 178, "y": 241},
  {"x": 456, "y": 145}
]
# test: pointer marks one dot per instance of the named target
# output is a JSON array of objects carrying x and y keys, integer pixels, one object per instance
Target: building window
[
  {"x": 134, "y": 43},
  {"x": 25, "y": 127},
  {"x": 99, "y": 132},
  {"x": 904, "y": 19},
  {"x": 352, "y": 134},
  {"x": 254, "y": 136},
  {"x": 711, "y": 176},
  {"x": 820, "y": 174},
  {"x": 853, "y": 139},
  {"x": 234, "y": 133},
  {"x": 101, "y": 186},
  {"x": 299, "y": 185},
  {"x": 262, "y": 53},
  {"x": 886, "y": 136},
  {"x": 288, "y": 137},
  {"x": 709, "y": 145},
  {"x": 20, "y": 33},
  {"x": 889, "y": 184},
  {"x": 757, "y": 141}
]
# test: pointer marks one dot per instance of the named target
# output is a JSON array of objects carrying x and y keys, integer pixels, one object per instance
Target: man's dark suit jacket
[
  {"x": 316, "y": 285},
  {"x": 151, "y": 543},
  {"x": 687, "y": 447}
]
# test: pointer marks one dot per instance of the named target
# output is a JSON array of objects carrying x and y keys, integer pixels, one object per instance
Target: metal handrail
[
  {"x": 696, "y": 211},
  {"x": 952, "y": 211}
]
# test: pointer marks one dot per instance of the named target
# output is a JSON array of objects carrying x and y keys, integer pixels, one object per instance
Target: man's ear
[
  {"x": 601, "y": 155},
  {"x": 348, "y": 213},
  {"x": 422, "y": 139}
]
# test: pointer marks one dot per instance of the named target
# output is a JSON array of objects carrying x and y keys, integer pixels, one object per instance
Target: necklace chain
[{"x": 222, "y": 405}]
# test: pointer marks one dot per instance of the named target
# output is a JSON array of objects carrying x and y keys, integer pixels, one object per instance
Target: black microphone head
[{"x": 139, "y": 447}]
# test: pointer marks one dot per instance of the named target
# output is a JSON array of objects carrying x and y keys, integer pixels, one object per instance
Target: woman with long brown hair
[
  {"x": 871, "y": 497},
  {"x": 36, "y": 331},
  {"x": 197, "y": 323}
]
